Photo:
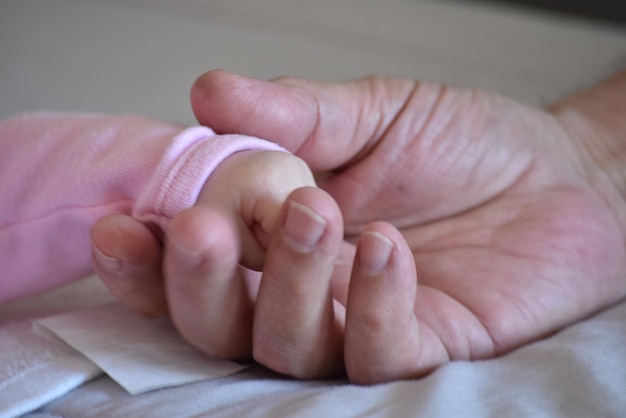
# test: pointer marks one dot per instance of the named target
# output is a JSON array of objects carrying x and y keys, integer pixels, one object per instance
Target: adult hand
[{"x": 509, "y": 221}]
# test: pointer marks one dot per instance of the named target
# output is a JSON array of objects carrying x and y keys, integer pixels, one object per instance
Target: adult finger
[
  {"x": 127, "y": 258},
  {"x": 326, "y": 124},
  {"x": 297, "y": 328},
  {"x": 383, "y": 339},
  {"x": 209, "y": 297}
]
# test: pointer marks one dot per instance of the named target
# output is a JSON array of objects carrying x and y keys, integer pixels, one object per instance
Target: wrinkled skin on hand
[
  {"x": 510, "y": 240},
  {"x": 499, "y": 235}
]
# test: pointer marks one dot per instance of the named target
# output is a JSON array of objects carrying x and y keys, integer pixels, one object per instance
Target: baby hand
[
  {"x": 250, "y": 187},
  {"x": 238, "y": 218}
]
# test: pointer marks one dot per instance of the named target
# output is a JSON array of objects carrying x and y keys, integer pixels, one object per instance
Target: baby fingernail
[
  {"x": 303, "y": 227},
  {"x": 107, "y": 263},
  {"x": 375, "y": 251}
]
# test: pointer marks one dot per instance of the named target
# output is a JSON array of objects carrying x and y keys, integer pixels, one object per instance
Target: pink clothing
[{"x": 59, "y": 173}]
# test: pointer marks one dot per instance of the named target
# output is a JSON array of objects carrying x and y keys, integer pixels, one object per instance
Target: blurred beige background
[{"x": 141, "y": 56}]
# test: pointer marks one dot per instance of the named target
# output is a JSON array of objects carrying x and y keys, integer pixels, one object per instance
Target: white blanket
[
  {"x": 579, "y": 372},
  {"x": 35, "y": 370}
]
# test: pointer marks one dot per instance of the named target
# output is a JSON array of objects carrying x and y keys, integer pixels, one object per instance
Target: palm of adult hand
[
  {"x": 516, "y": 269},
  {"x": 510, "y": 243},
  {"x": 509, "y": 239}
]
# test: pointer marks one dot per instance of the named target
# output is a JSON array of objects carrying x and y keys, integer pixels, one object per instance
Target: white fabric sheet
[
  {"x": 35, "y": 370},
  {"x": 578, "y": 372},
  {"x": 141, "y": 354}
]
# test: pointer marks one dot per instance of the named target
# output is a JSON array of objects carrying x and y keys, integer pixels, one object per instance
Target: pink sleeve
[{"x": 59, "y": 173}]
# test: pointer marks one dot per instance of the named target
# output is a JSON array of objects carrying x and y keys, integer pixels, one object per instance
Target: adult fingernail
[
  {"x": 190, "y": 257},
  {"x": 107, "y": 263},
  {"x": 303, "y": 227},
  {"x": 375, "y": 251}
]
